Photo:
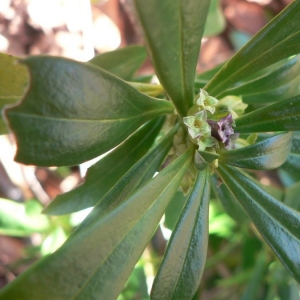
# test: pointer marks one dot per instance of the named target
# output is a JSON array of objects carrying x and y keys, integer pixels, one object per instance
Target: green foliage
[
  {"x": 175, "y": 49},
  {"x": 215, "y": 22},
  {"x": 95, "y": 261},
  {"x": 19, "y": 219},
  {"x": 268, "y": 154},
  {"x": 13, "y": 80},
  {"x": 277, "y": 223},
  {"x": 278, "y": 40},
  {"x": 73, "y": 112},
  {"x": 84, "y": 112},
  {"x": 122, "y": 62},
  {"x": 181, "y": 270},
  {"x": 98, "y": 184}
]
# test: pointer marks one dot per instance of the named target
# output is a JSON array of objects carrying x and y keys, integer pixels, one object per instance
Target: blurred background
[{"x": 239, "y": 266}]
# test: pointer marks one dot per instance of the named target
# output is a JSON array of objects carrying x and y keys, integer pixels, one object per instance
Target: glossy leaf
[
  {"x": 181, "y": 269},
  {"x": 138, "y": 174},
  {"x": 292, "y": 164},
  {"x": 122, "y": 62},
  {"x": 74, "y": 112},
  {"x": 173, "y": 31},
  {"x": 98, "y": 182},
  {"x": 281, "y": 116},
  {"x": 13, "y": 81},
  {"x": 203, "y": 159},
  {"x": 96, "y": 262},
  {"x": 278, "y": 224},
  {"x": 231, "y": 206},
  {"x": 276, "y": 41},
  {"x": 264, "y": 155},
  {"x": 278, "y": 84},
  {"x": 215, "y": 23},
  {"x": 22, "y": 219}
]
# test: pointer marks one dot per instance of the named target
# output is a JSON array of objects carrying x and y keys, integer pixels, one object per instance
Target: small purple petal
[{"x": 222, "y": 129}]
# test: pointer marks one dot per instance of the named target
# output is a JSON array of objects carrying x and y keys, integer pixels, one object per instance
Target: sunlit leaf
[
  {"x": 264, "y": 155},
  {"x": 74, "y": 112},
  {"x": 152, "y": 90},
  {"x": 277, "y": 40},
  {"x": 13, "y": 81},
  {"x": 173, "y": 31},
  {"x": 215, "y": 23},
  {"x": 54, "y": 240},
  {"x": 122, "y": 62},
  {"x": 181, "y": 270},
  {"x": 96, "y": 262},
  {"x": 98, "y": 182},
  {"x": 281, "y": 116},
  {"x": 277, "y": 223},
  {"x": 22, "y": 219}
]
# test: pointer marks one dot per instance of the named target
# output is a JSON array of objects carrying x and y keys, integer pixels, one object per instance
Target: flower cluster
[
  {"x": 199, "y": 130},
  {"x": 223, "y": 131},
  {"x": 204, "y": 129}
]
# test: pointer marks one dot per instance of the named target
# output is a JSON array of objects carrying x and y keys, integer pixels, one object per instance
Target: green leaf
[
  {"x": 280, "y": 83},
  {"x": 54, "y": 240},
  {"x": 264, "y": 155},
  {"x": 136, "y": 286},
  {"x": 173, "y": 31},
  {"x": 116, "y": 190},
  {"x": 230, "y": 204},
  {"x": 281, "y": 116},
  {"x": 203, "y": 158},
  {"x": 122, "y": 62},
  {"x": 215, "y": 23},
  {"x": 13, "y": 80},
  {"x": 96, "y": 262},
  {"x": 138, "y": 175},
  {"x": 153, "y": 90},
  {"x": 22, "y": 219},
  {"x": 174, "y": 209},
  {"x": 208, "y": 156},
  {"x": 181, "y": 269},
  {"x": 256, "y": 280},
  {"x": 278, "y": 224},
  {"x": 276, "y": 41},
  {"x": 203, "y": 78},
  {"x": 98, "y": 182},
  {"x": 291, "y": 195},
  {"x": 74, "y": 112},
  {"x": 292, "y": 164}
]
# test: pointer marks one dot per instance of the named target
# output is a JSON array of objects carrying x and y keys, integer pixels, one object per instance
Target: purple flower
[{"x": 222, "y": 130}]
